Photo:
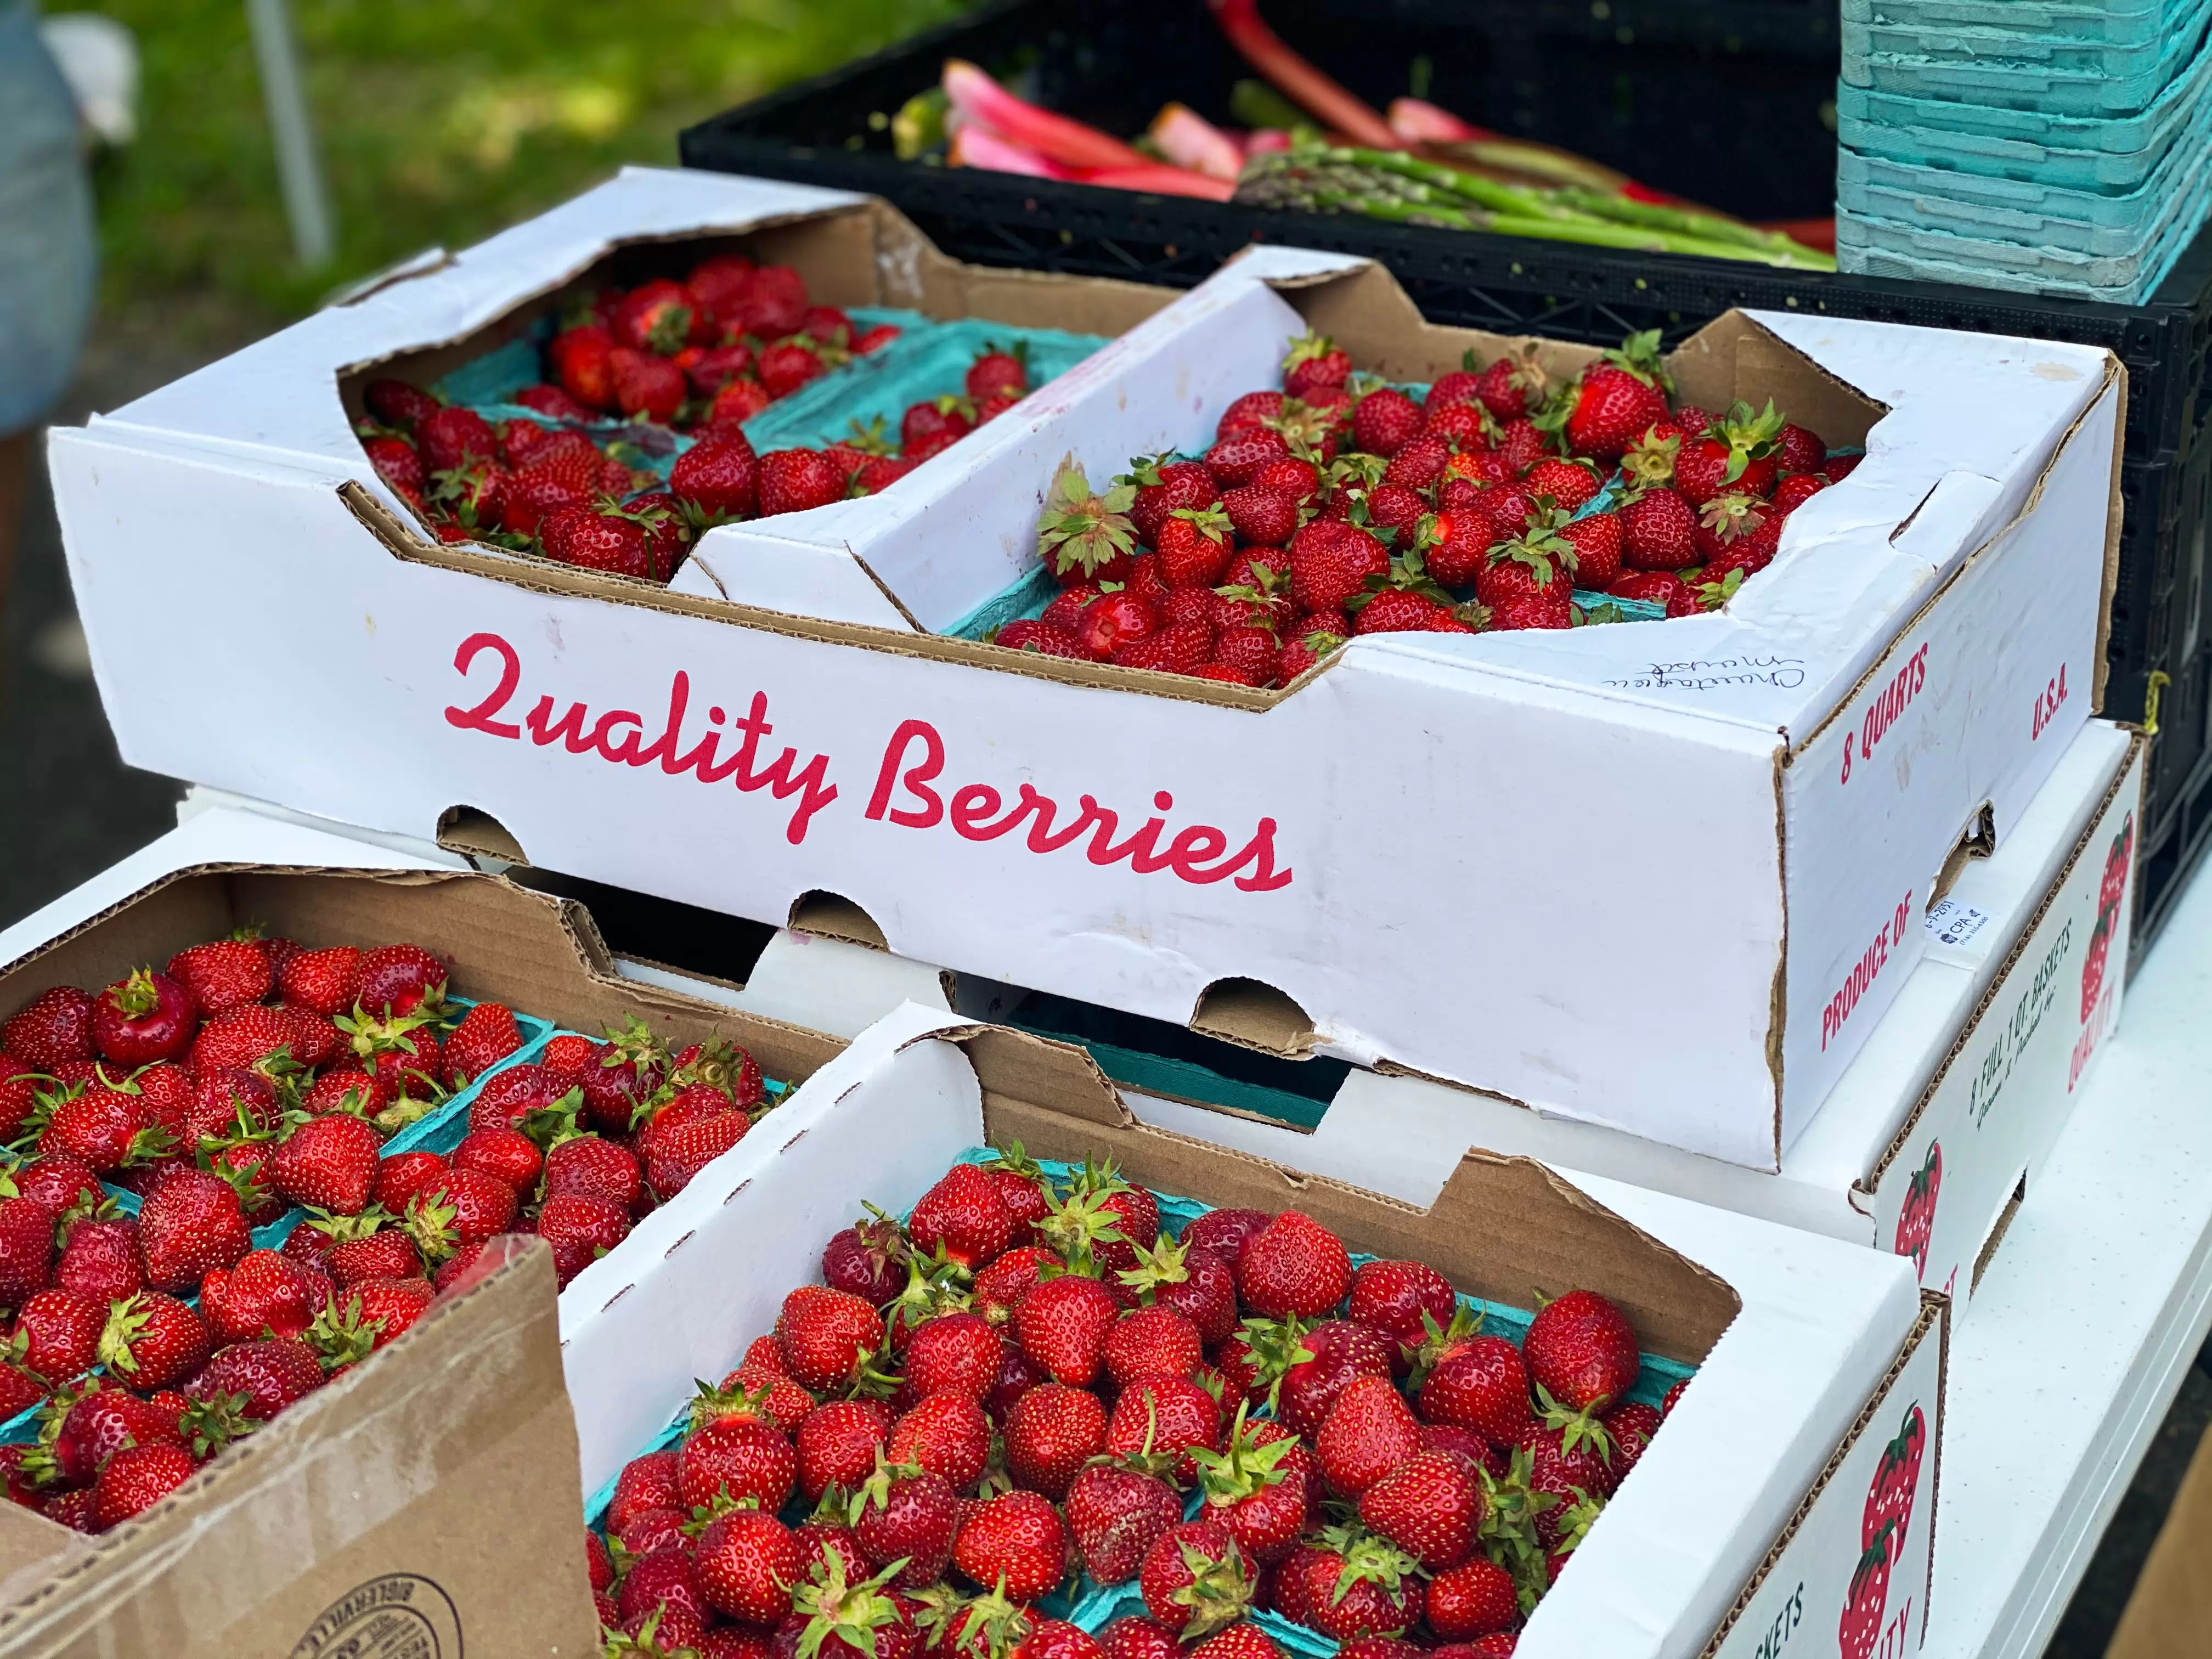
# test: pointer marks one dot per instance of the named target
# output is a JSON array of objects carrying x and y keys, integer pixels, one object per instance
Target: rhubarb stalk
[
  {"x": 1416, "y": 121},
  {"x": 1297, "y": 80},
  {"x": 1055, "y": 137},
  {"x": 1189, "y": 140},
  {"x": 979, "y": 147}
]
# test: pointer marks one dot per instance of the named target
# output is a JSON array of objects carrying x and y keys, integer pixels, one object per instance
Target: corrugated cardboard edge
[
  {"x": 1935, "y": 1315},
  {"x": 2112, "y": 528},
  {"x": 1870, "y": 1182},
  {"x": 1879, "y": 668},
  {"x": 1019, "y": 1072}
]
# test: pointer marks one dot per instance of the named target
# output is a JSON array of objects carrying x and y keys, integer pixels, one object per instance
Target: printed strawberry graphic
[
  {"x": 1915, "y": 1222},
  {"x": 1867, "y": 1603},
  {"x": 2111, "y": 889},
  {"x": 1896, "y": 1479}
]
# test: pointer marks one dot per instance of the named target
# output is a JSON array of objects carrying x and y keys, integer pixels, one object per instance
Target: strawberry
[
  {"x": 1737, "y": 451},
  {"x": 1570, "y": 484},
  {"x": 1240, "y": 1641},
  {"x": 1513, "y": 386},
  {"x": 1314, "y": 362},
  {"x": 1631, "y": 1427},
  {"x": 1056, "y": 1638},
  {"x": 1084, "y": 537},
  {"x": 1418, "y": 463},
  {"x": 460, "y": 1208},
  {"x": 1140, "y": 1638},
  {"x": 271, "y": 1374},
  {"x": 152, "y": 1341},
  {"x": 747, "y": 1563},
  {"x": 1582, "y": 1351},
  {"x": 1471, "y": 1381},
  {"x": 1015, "y": 1542},
  {"x": 266, "y": 1292},
  {"x": 909, "y": 1514},
  {"x": 592, "y": 540},
  {"x": 733, "y": 1459},
  {"x": 718, "y": 478},
  {"x": 963, "y": 1217},
  {"x": 1191, "y": 1279},
  {"x": 1263, "y": 515},
  {"x": 487, "y": 1035},
  {"x": 222, "y": 974},
  {"x": 1336, "y": 1351},
  {"x": 773, "y": 303},
  {"x": 1161, "y": 1416},
  {"x": 1728, "y": 521},
  {"x": 1194, "y": 1579},
  {"x": 1384, "y": 421},
  {"x": 1051, "y": 1431},
  {"x": 144, "y": 1018},
  {"x": 1658, "y": 530},
  {"x": 1596, "y": 541},
  {"x": 192, "y": 1226},
  {"x": 1368, "y": 1431},
  {"x": 375, "y": 1311},
  {"x": 1258, "y": 1490},
  {"x": 647, "y": 386},
  {"x": 1359, "y": 1585},
  {"x": 329, "y": 1163},
  {"x": 954, "y": 1353},
  {"x": 536, "y": 494},
  {"x": 1429, "y": 1506},
  {"x": 401, "y": 978},
  {"x": 1656, "y": 586},
  {"x": 1394, "y": 509},
  {"x": 506, "y": 1155},
  {"x": 451, "y": 437},
  {"x": 323, "y": 982},
  {"x": 395, "y": 403},
  {"x": 946, "y": 1434},
  {"x": 827, "y": 1337},
  {"x": 581, "y": 363},
  {"x": 54, "y": 1028},
  {"x": 1239, "y": 455},
  {"x": 1475, "y": 1599},
  {"x": 1331, "y": 562},
  {"x": 1112, "y": 622},
  {"x": 796, "y": 480},
  {"x": 1293, "y": 1266},
  {"x": 1297, "y": 478},
  {"x": 1114, "y": 1515},
  {"x": 1193, "y": 544},
  {"x": 591, "y": 1167},
  {"x": 135, "y": 1478},
  {"x": 578, "y": 1228},
  {"x": 644, "y": 1483},
  {"x": 1306, "y": 647},
  {"x": 1396, "y": 1299},
  {"x": 674, "y": 1153},
  {"x": 1460, "y": 427},
  {"x": 790, "y": 364},
  {"x": 866, "y": 1258},
  {"x": 358, "y": 1255},
  {"x": 659, "y": 315},
  {"x": 1795, "y": 491},
  {"x": 1454, "y": 543},
  {"x": 1159, "y": 487},
  {"x": 1179, "y": 649},
  {"x": 1618, "y": 399},
  {"x": 1254, "y": 652},
  {"x": 58, "y": 1334},
  {"x": 104, "y": 1129},
  {"x": 1254, "y": 409},
  {"x": 1151, "y": 1341},
  {"x": 100, "y": 1259}
]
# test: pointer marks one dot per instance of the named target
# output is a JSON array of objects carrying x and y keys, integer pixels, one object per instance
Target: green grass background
[{"x": 440, "y": 121}]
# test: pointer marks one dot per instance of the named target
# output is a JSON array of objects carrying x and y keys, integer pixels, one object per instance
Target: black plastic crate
[{"x": 2177, "y": 819}]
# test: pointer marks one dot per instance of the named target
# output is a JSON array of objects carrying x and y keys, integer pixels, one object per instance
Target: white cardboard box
[
  {"x": 1952, "y": 1104},
  {"x": 1663, "y": 876},
  {"x": 1742, "y": 1522}
]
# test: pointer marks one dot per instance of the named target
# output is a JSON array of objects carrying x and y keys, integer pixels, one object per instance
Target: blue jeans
[{"x": 49, "y": 257}]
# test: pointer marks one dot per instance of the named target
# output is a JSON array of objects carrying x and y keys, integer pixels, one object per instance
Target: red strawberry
[
  {"x": 1384, "y": 421},
  {"x": 460, "y": 1208},
  {"x": 1015, "y": 1542},
  {"x": 401, "y": 978},
  {"x": 222, "y": 975},
  {"x": 395, "y": 403},
  {"x": 1193, "y": 545},
  {"x": 737, "y": 1459},
  {"x": 1330, "y": 563},
  {"x": 152, "y": 1341},
  {"x": 580, "y": 1229},
  {"x": 1293, "y": 1266},
  {"x": 1194, "y": 1579},
  {"x": 487, "y": 1035},
  {"x": 1263, "y": 515},
  {"x": 451, "y": 437},
  {"x": 1570, "y": 484},
  {"x": 1582, "y": 1351},
  {"x": 580, "y": 360},
  {"x": 1738, "y": 452},
  {"x": 1368, "y": 1431},
  {"x": 996, "y": 372},
  {"x": 1428, "y": 1506},
  {"x": 1618, "y": 400},
  {"x": 1056, "y": 1638},
  {"x": 1140, "y": 1638},
  {"x": 907, "y": 1514},
  {"x": 58, "y": 1334},
  {"x": 1192, "y": 1281},
  {"x": 1794, "y": 491},
  {"x": 1521, "y": 445},
  {"x": 1658, "y": 530},
  {"x": 1453, "y": 544},
  {"x": 1473, "y": 1382},
  {"x": 796, "y": 480},
  {"x": 1115, "y": 1514},
  {"x": 1474, "y": 1599},
  {"x": 1159, "y": 486},
  {"x": 954, "y": 1353},
  {"x": 506, "y": 1155},
  {"x": 190, "y": 1227},
  {"x": 1051, "y": 1431},
  {"x": 1112, "y": 623},
  {"x": 1597, "y": 541},
  {"x": 266, "y": 1292},
  {"x": 1314, "y": 362},
  {"x": 1460, "y": 427},
  {"x": 328, "y": 1162},
  {"x": 1254, "y": 409},
  {"x": 591, "y": 1167},
  {"x": 826, "y": 1337},
  {"x": 135, "y": 1478},
  {"x": 1631, "y": 1427},
  {"x": 1418, "y": 463},
  {"x": 962, "y": 1217},
  {"x": 1511, "y": 386},
  {"x": 1395, "y": 1298},
  {"x": 56, "y": 1027},
  {"x": 1240, "y": 454},
  {"x": 747, "y": 1563},
  {"x": 358, "y": 1255},
  {"x": 1158, "y": 1416},
  {"x": 675, "y": 1152},
  {"x": 1179, "y": 649},
  {"x": 145, "y": 1017},
  {"x": 1306, "y": 647},
  {"x": 719, "y": 477},
  {"x": 592, "y": 540},
  {"x": 100, "y": 1259},
  {"x": 1359, "y": 1585},
  {"x": 1337, "y": 1351},
  {"x": 946, "y": 1434},
  {"x": 272, "y": 1373},
  {"x": 1259, "y": 1489}
]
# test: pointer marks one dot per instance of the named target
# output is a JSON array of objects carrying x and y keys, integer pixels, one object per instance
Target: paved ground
[{"x": 69, "y": 807}]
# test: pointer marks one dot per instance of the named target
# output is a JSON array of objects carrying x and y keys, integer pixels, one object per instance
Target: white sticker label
[{"x": 1950, "y": 922}]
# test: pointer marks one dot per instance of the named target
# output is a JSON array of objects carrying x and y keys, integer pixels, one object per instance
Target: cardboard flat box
[
  {"x": 1745, "y": 1514},
  {"x": 1929, "y": 1137},
  {"x": 1660, "y": 875},
  {"x": 424, "y": 1503}
]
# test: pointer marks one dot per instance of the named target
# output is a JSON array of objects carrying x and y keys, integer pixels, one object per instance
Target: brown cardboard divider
[
  {"x": 1255, "y": 1015},
  {"x": 832, "y": 915},
  {"x": 1978, "y": 840},
  {"x": 426, "y": 1502},
  {"x": 1505, "y": 1229},
  {"x": 470, "y": 830},
  {"x": 537, "y": 953}
]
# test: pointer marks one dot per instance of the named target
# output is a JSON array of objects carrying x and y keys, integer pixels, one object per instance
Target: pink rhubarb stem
[
  {"x": 1055, "y": 137},
  {"x": 1189, "y": 140},
  {"x": 1297, "y": 80},
  {"x": 1416, "y": 121},
  {"x": 1161, "y": 181},
  {"x": 979, "y": 147}
]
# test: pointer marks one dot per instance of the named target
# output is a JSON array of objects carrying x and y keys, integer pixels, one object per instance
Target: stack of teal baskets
[{"x": 2053, "y": 147}]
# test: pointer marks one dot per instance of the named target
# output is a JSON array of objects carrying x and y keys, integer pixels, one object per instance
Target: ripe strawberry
[
  {"x": 135, "y": 1478},
  {"x": 1193, "y": 545},
  {"x": 1473, "y": 1382},
  {"x": 1394, "y": 508},
  {"x": 1263, "y": 515},
  {"x": 222, "y": 975},
  {"x": 954, "y": 1353},
  {"x": 1254, "y": 409},
  {"x": 675, "y": 1152},
  {"x": 1114, "y": 1516},
  {"x": 962, "y": 1217},
  {"x": 395, "y": 403},
  {"x": 1453, "y": 544},
  {"x": 1293, "y": 1266},
  {"x": 1180, "y": 648},
  {"x": 1051, "y": 1433},
  {"x": 1245, "y": 1640},
  {"x": 1570, "y": 484},
  {"x": 827, "y": 1336},
  {"x": 796, "y": 480},
  {"x": 272, "y": 1373},
  {"x": 1795, "y": 491},
  {"x": 996, "y": 371},
  {"x": 460, "y": 1208},
  {"x": 1314, "y": 362},
  {"x": 1140, "y": 1638},
  {"x": 487, "y": 1035},
  {"x": 1512, "y": 386},
  {"x": 451, "y": 437},
  {"x": 366, "y": 1316},
  {"x": 506, "y": 1155},
  {"x": 1597, "y": 541},
  {"x": 1429, "y": 1506},
  {"x": 1159, "y": 1416},
  {"x": 1258, "y": 1489},
  {"x": 1658, "y": 530},
  {"x": 1738, "y": 452},
  {"x": 718, "y": 477},
  {"x": 747, "y": 1563},
  {"x": 905, "y": 1514},
  {"x": 1384, "y": 421},
  {"x": 580, "y": 358},
  {"x": 1295, "y": 477},
  {"x": 1015, "y": 1542},
  {"x": 1459, "y": 427},
  {"x": 379, "y": 1253},
  {"x": 1474, "y": 1599},
  {"x": 329, "y": 1163},
  {"x": 1112, "y": 623},
  {"x": 190, "y": 1227},
  {"x": 580, "y": 1229},
  {"x": 1159, "y": 487},
  {"x": 152, "y": 1341},
  {"x": 1330, "y": 563},
  {"x": 1632, "y": 1426},
  {"x": 1254, "y": 652},
  {"x": 1338, "y": 1352},
  {"x": 592, "y": 540},
  {"x": 1368, "y": 1431},
  {"x": 1240, "y": 454},
  {"x": 946, "y": 1434},
  {"x": 1056, "y": 1638},
  {"x": 144, "y": 1018},
  {"x": 401, "y": 978},
  {"x": 591, "y": 1167},
  {"x": 266, "y": 1292},
  {"x": 1418, "y": 463},
  {"x": 100, "y": 1258},
  {"x": 1394, "y": 1299},
  {"x": 1582, "y": 1351},
  {"x": 104, "y": 1129},
  {"x": 735, "y": 1459},
  {"x": 1194, "y": 1579},
  {"x": 1660, "y": 587},
  {"x": 56, "y": 1027},
  {"x": 1306, "y": 647},
  {"x": 1359, "y": 1585},
  {"x": 1521, "y": 445},
  {"x": 58, "y": 1334},
  {"x": 1618, "y": 400}
]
